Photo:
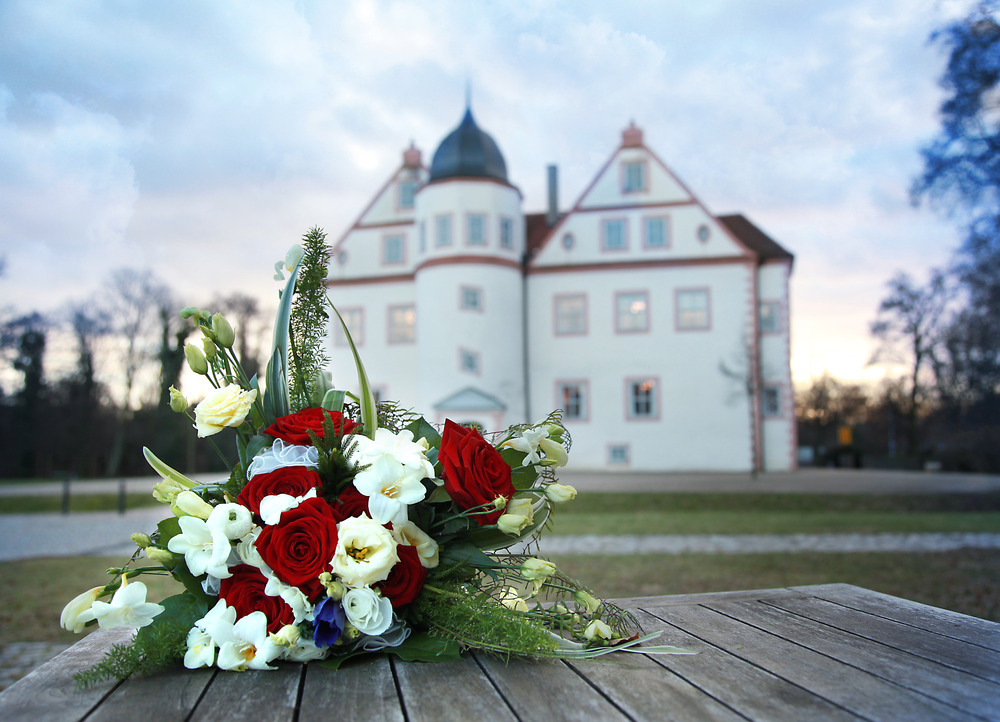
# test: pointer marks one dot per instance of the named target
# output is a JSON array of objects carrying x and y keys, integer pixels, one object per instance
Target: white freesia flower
[
  {"x": 220, "y": 614},
  {"x": 527, "y": 443},
  {"x": 78, "y": 612},
  {"x": 367, "y": 610},
  {"x": 598, "y": 630},
  {"x": 246, "y": 644},
  {"x": 305, "y": 650},
  {"x": 128, "y": 608},
  {"x": 283, "y": 454},
  {"x": 187, "y": 503},
  {"x": 366, "y": 551},
  {"x": 248, "y": 552},
  {"x": 274, "y": 505},
  {"x": 396, "y": 464},
  {"x": 204, "y": 549},
  {"x": 200, "y": 649},
  {"x": 293, "y": 596},
  {"x": 555, "y": 453},
  {"x": 223, "y": 408},
  {"x": 427, "y": 548}
]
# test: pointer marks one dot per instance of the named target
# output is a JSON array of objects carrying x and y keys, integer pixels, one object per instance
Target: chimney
[
  {"x": 552, "y": 216},
  {"x": 411, "y": 156}
]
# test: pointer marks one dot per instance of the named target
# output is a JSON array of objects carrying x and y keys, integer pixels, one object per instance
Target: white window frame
[
  {"x": 629, "y": 320},
  {"x": 470, "y": 298},
  {"x": 355, "y": 319},
  {"x": 642, "y": 398},
  {"x": 664, "y": 222},
  {"x": 580, "y": 391},
  {"x": 564, "y": 317},
  {"x": 629, "y": 177},
  {"x": 401, "y": 330},
  {"x": 683, "y": 320},
  {"x": 442, "y": 230},
  {"x": 606, "y": 225},
  {"x": 388, "y": 257},
  {"x": 470, "y": 222},
  {"x": 773, "y": 316}
]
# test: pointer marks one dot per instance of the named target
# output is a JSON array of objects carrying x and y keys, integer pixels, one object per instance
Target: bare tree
[
  {"x": 744, "y": 371},
  {"x": 909, "y": 326}
]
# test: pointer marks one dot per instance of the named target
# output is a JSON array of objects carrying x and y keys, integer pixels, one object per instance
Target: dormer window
[
  {"x": 634, "y": 176},
  {"x": 407, "y": 190}
]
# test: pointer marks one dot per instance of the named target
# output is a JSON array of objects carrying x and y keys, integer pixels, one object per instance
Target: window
[
  {"x": 402, "y": 324},
  {"x": 476, "y": 230},
  {"x": 423, "y": 236},
  {"x": 572, "y": 399},
  {"x": 614, "y": 236},
  {"x": 507, "y": 233},
  {"x": 568, "y": 241},
  {"x": 442, "y": 231},
  {"x": 470, "y": 298},
  {"x": 770, "y": 401},
  {"x": 703, "y": 233},
  {"x": 407, "y": 189},
  {"x": 571, "y": 315},
  {"x": 655, "y": 232},
  {"x": 634, "y": 176},
  {"x": 770, "y": 317},
  {"x": 355, "y": 320},
  {"x": 642, "y": 402},
  {"x": 468, "y": 361},
  {"x": 632, "y": 312},
  {"x": 692, "y": 309},
  {"x": 618, "y": 454},
  {"x": 393, "y": 250}
]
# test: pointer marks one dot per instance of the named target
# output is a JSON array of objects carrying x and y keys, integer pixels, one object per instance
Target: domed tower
[{"x": 469, "y": 284}]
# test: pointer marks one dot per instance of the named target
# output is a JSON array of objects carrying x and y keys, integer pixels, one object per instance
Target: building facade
[{"x": 660, "y": 330}]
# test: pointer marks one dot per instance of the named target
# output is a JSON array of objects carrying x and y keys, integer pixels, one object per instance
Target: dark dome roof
[{"x": 467, "y": 152}]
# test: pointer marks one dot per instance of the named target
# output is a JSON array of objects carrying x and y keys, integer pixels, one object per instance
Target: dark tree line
[{"x": 93, "y": 420}]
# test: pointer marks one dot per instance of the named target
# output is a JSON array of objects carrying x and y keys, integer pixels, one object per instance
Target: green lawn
[{"x": 77, "y": 502}]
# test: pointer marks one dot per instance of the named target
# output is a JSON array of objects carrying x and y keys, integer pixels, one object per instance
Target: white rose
[
  {"x": 223, "y": 407},
  {"x": 366, "y": 551},
  {"x": 366, "y": 610}
]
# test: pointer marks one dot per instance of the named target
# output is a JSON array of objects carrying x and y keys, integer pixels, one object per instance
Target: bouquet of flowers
[{"x": 346, "y": 527}]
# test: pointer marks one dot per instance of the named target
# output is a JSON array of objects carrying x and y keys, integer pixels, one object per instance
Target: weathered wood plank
[
  {"x": 258, "y": 695},
  {"x": 959, "y": 689},
  {"x": 974, "y": 630},
  {"x": 547, "y": 689},
  {"x": 683, "y": 600},
  {"x": 360, "y": 690},
  {"x": 49, "y": 692},
  {"x": 952, "y": 652},
  {"x": 744, "y": 688},
  {"x": 852, "y": 689},
  {"x": 166, "y": 696},
  {"x": 449, "y": 691}
]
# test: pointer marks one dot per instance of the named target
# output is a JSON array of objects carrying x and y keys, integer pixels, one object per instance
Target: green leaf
[
  {"x": 165, "y": 471},
  {"x": 464, "y": 554},
  {"x": 423, "y": 430},
  {"x": 184, "y": 609},
  {"x": 276, "y": 394},
  {"x": 439, "y": 494},
  {"x": 333, "y": 400},
  {"x": 168, "y": 528},
  {"x": 256, "y": 444},
  {"x": 369, "y": 412},
  {"x": 523, "y": 477},
  {"x": 422, "y": 647},
  {"x": 337, "y": 661}
]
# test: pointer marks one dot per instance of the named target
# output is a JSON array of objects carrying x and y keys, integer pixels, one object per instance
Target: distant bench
[{"x": 824, "y": 652}]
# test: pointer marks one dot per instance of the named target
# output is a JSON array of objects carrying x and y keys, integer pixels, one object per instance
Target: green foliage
[
  {"x": 308, "y": 321},
  {"x": 473, "y": 618},
  {"x": 151, "y": 651}
]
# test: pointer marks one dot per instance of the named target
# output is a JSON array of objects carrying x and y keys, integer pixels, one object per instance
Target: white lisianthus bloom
[
  {"x": 128, "y": 608},
  {"x": 231, "y": 520},
  {"x": 200, "y": 649},
  {"x": 367, "y": 610},
  {"x": 536, "y": 569},
  {"x": 395, "y": 465},
  {"x": 560, "y": 493},
  {"x": 78, "y": 612},
  {"x": 519, "y": 514},
  {"x": 274, "y": 505},
  {"x": 366, "y": 551},
  {"x": 427, "y": 548},
  {"x": 597, "y": 630},
  {"x": 283, "y": 454},
  {"x": 527, "y": 442},
  {"x": 204, "y": 549},
  {"x": 223, "y": 408},
  {"x": 246, "y": 644}
]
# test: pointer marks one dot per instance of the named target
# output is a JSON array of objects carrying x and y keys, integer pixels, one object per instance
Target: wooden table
[{"x": 825, "y": 652}]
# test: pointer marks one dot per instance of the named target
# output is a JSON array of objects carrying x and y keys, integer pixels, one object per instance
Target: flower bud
[
  {"x": 555, "y": 453},
  {"x": 535, "y": 568},
  {"x": 209, "y": 346},
  {"x": 500, "y": 502},
  {"x": 293, "y": 257},
  {"x": 588, "y": 600},
  {"x": 224, "y": 335},
  {"x": 77, "y": 613},
  {"x": 287, "y": 636},
  {"x": 519, "y": 515},
  {"x": 177, "y": 401},
  {"x": 334, "y": 589},
  {"x": 160, "y": 556},
  {"x": 196, "y": 359},
  {"x": 350, "y": 632},
  {"x": 559, "y": 493},
  {"x": 556, "y": 432},
  {"x": 187, "y": 503},
  {"x": 597, "y": 630},
  {"x": 141, "y": 540}
]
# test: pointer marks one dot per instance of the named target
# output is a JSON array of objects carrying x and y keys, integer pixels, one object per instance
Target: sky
[{"x": 201, "y": 139}]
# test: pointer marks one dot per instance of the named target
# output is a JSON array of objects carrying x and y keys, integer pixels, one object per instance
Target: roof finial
[{"x": 468, "y": 93}]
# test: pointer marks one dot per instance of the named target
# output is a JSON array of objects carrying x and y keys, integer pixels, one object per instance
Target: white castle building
[{"x": 660, "y": 330}]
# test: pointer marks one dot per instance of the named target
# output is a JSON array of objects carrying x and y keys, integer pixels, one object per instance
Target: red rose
[
  {"x": 473, "y": 471},
  {"x": 291, "y": 480},
  {"x": 294, "y": 428},
  {"x": 299, "y": 547},
  {"x": 406, "y": 578},
  {"x": 351, "y": 502},
  {"x": 244, "y": 591}
]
